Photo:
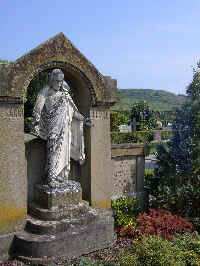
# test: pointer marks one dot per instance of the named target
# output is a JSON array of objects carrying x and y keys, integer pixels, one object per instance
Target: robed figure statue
[{"x": 56, "y": 119}]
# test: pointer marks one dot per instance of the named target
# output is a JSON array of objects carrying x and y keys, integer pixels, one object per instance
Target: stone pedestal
[{"x": 60, "y": 223}]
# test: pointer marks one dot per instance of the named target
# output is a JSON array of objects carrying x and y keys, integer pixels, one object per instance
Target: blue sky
[{"x": 141, "y": 43}]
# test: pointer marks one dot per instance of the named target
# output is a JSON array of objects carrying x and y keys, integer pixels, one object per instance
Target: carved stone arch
[
  {"x": 72, "y": 74},
  {"x": 57, "y": 49}
]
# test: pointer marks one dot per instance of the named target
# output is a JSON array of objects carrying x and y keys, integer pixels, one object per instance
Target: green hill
[{"x": 157, "y": 99}]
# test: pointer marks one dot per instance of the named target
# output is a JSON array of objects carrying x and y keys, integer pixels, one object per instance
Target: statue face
[{"x": 57, "y": 82}]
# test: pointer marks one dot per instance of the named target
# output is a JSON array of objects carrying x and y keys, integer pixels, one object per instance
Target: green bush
[
  {"x": 143, "y": 115},
  {"x": 131, "y": 137},
  {"x": 183, "y": 200},
  {"x": 125, "y": 211},
  {"x": 188, "y": 241},
  {"x": 86, "y": 261},
  {"x": 155, "y": 251},
  {"x": 118, "y": 118}
]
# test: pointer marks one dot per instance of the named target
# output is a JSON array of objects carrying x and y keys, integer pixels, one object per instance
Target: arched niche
[
  {"x": 35, "y": 148},
  {"x": 82, "y": 89}
]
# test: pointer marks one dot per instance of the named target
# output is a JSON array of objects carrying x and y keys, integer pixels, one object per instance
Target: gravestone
[{"x": 93, "y": 94}]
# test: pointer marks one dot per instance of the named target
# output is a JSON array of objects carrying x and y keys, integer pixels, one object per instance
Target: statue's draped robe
[{"x": 64, "y": 133}]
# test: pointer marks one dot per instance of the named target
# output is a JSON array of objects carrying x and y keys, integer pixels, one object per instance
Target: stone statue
[{"x": 56, "y": 119}]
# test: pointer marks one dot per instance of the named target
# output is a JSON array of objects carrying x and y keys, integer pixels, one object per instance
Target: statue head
[{"x": 56, "y": 79}]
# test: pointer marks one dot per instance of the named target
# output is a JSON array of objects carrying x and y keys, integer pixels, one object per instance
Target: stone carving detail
[
  {"x": 56, "y": 119},
  {"x": 11, "y": 110},
  {"x": 8, "y": 99},
  {"x": 17, "y": 112},
  {"x": 99, "y": 114},
  {"x": 58, "y": 64}
]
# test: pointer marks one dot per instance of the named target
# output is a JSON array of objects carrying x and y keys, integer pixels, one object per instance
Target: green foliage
[
  {"x": 118, "y": 118},
  {"x": 179, "y": 165},
  {"x": 131, "y": 137},
  {"x": 166, "y": 116},
  {"x": 4, "y": 61},
  {"x": 120, "y": 96},
  {"x": 180, "y": 146},
  {"x": 183, "y": 200},
  {"x": 188, "y": 241},
  {"x": 173, "y": 191},
  {"x": 174, "y": 165},
  {"x": 143, "y": 115},
  {"x": 86, "y": 261},
  {"x": 154, "y": 144},
  {"x": 114, "y": 121},
  {"x": 28, "y": 124},
  {"x": 151, "y": 182},
  {"x": 33, "y": 89},
  {"x": 194, "y": 93},
  {"x": 183, "y": 250},
  {"x": 153, "y": 250},
  {"x": 195, "y": 221},
  {"x": 125, "y": 211},
  {"x": 165, "y": 170},
  {"x": 157, "y": 99}
]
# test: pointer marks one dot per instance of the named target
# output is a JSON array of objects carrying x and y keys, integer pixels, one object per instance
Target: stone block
[
  {"x": 63, "y": 195},
  {"x": 76, "y": 239},
  {"x": 5, "y": 244},
  {"x": 57, "y": 213}
]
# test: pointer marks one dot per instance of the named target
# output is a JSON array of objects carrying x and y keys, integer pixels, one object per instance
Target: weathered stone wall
[
  {"x": 13, "y": 190},
  {"x": 96, "y": 171},
  {"x": 128, "y": 168},
  {"x": 124, "y": 174}
]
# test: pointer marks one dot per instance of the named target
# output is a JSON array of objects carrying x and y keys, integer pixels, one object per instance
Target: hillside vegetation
[{"x": 156, "y": 99}]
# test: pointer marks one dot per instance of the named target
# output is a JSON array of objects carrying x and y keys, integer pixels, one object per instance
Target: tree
[
  {"x": 144, "y": 116},
  {"x": 178, "y": 171},
  {"x": 118, "y": 118},
  {"x": 193, "y": 92}
]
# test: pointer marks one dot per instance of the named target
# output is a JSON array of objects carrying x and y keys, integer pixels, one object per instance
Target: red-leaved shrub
[
  {"x": 162, "y": 223},
  {"x": 127, "y": 231}
]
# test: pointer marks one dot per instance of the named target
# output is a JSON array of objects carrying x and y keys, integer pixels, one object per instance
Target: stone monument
[
  {"x": 59, "y": 221},
  {"x": 58, "y": 215},
  {"x": 56, "y": 119}
]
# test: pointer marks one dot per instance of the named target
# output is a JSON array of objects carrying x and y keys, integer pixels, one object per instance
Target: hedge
[{"x": 131, "y": 137}]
